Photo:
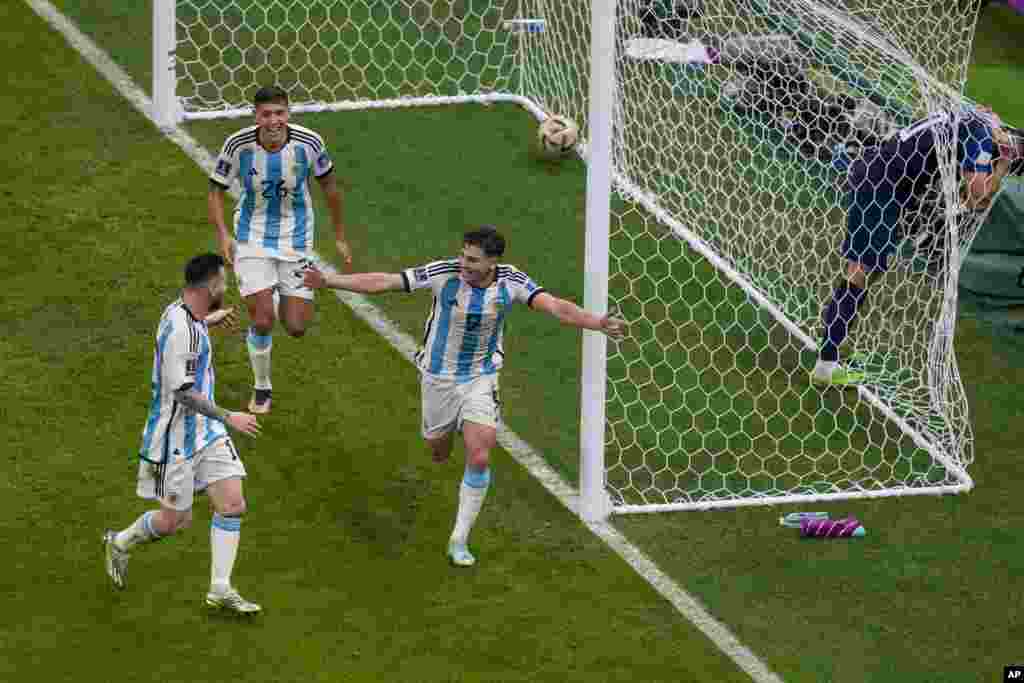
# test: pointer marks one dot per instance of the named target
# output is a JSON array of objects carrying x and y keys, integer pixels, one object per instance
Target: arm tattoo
[{"x": 192, "y": 399}]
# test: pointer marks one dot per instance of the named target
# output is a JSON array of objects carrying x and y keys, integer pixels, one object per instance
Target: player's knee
[
  {"x": 234, "y": 507},
  {"x": 168, "y": 522},
  {"x": 262, "y": 322},
  {"x": 183, "y": 521},
  {"x": 440, "y": 448},
  {"x": 479, "y": 458},
  {"x": 295, "y": 330}
]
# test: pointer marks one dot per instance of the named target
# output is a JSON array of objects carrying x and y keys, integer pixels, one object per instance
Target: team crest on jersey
[
  {"x": 223, "y": 167},
  {"x": 420, "y": 274}
]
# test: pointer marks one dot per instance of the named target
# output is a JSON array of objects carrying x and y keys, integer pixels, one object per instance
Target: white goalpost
[{"x": 720, "y": 140}]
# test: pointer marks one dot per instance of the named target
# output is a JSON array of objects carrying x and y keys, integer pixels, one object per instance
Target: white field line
[{"x": 687, "y": 605}]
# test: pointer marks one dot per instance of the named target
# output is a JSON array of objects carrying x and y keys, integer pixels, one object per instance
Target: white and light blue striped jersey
[
  {"x": 274, "y": 215},
  {"x": 183, "y": 358},
  {"x": 462, "y": 337}
]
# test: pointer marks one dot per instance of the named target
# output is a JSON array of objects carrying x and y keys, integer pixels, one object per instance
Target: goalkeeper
[{"x": 892, "y": 178}]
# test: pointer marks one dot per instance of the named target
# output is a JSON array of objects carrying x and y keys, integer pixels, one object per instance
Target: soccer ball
[{"x": 557, "y": 135}]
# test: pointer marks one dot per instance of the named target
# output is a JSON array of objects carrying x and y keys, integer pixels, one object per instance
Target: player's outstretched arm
[
  {"x": 215, "y": 208},
  {"x": 570, "y": 314},
  {"x": 364, "y": 283},
  {"x": 334, "y": 204},
  {"x": 192, "y": 399}
]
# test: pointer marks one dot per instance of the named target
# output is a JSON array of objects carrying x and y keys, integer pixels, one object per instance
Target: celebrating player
[
  {"x": 273, "y": 223},
  {"x": 889, "y": 180},
  {"x": 185, "y": 446},
  {"x": 463, "y": 352}
]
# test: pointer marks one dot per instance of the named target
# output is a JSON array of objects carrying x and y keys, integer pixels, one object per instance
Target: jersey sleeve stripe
[
  {"x": 248, "y": 130},
  {"x": 430, "y": 322},
  {"x": 310, "y": 139},
  {"x": 519, "y": 279},
  {"x": 433, "y": 272},
  {"x": 296, "y": 128},
  {"x": 237, "y": 140},
  {"x": 441, "y": 266},
  {"x": 405, "y": 282}
]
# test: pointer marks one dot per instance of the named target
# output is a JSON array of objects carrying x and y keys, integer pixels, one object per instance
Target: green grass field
[{"x": 349, "y": 517}]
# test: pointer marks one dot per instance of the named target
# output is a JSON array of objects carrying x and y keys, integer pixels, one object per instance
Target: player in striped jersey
[
  {"x": 886, "y": 182},
  {"x": 273, "y": 223},
  {"x": 185, "y": 445},
  {"x": 463, "y": 352}
]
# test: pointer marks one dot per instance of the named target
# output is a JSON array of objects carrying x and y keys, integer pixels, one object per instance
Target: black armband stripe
[{"x": 405, "y": 282}]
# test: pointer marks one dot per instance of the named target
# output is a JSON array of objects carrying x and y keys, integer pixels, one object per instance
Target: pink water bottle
[{"x": 831, "y": 528}]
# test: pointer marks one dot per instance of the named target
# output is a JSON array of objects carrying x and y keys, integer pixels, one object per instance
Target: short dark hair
[
  {"x": 270, "y": 94},
  {"x": 487, "y": 238},
  {"x": 201, "y": 269}
]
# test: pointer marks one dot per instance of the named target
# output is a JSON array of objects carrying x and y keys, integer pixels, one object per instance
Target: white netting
[
  {"x": 327, "y": 52},
  {"x": 736, "y": 124}
]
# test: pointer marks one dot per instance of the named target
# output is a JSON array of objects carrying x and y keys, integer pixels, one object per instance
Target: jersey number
[{"x": 272, "y": 188}]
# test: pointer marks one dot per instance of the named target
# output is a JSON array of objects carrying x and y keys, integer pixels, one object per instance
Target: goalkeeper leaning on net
[{"x": 890, "y": 179}]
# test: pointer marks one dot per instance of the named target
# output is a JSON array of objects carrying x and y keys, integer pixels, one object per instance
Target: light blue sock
[
  {"x": 477, "y": 479},
  {"x": 259, "y": 342}
]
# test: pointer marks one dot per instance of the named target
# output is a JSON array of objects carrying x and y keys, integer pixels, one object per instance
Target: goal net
[{"x": 737, "y": 125}]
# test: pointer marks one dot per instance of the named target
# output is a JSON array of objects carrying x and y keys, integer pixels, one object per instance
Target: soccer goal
[{"x": 717, "y": 137}]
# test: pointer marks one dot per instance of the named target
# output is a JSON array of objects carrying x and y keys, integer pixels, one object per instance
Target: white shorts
[
  {"x": 447, "y": 404},
  {"x": 176, "y": 483},
  {"x": 256, "y": 273}
]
